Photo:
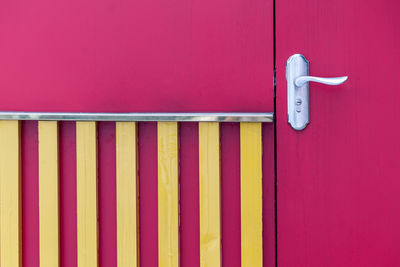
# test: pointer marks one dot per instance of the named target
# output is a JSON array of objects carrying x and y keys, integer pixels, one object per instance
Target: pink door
[{"x": 338, "y": 187}]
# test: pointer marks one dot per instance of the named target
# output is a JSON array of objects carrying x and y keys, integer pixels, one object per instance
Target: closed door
[{"x": 337, "y": 180}]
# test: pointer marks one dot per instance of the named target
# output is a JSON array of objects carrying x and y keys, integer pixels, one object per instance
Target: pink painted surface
[
  {"x": 68, "y": 223},
  {"x": 338, "y": 180},
  {"x": 157, "y": 55},
  {"x": 107, "y": 199},
  {"x": 133, "y": 56},
  {"x": 230, "y": 193},
  {"x": 148, "y": 207},
  {"x": 189, "y": 195},
  {"x": 30, "y": 194},
  {"x": 268, "y": 160}
]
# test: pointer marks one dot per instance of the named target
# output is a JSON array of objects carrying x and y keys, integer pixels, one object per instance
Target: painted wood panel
[
  {"x": 10, "y": 194},
  {"x": 148, "y": 187},
  {"x": 86, "y": 184},
  {"x": 107, "y": 193},
  {"x": 30, "y": 193},
  {"x": 168, "y": 195},
  {"x": 127, "y": 197},
  {"x": 68, "y": 198},
  {"x": 338, "y": 180},
  {"x": 251, "y": 194},
  {"x": 210, "y": 194},
  {"x": 48, "y": 194},
  {"x": 230, "y": 194},
  {"x": 111, "y": 57},
  {"x": 189, "y": 221}
]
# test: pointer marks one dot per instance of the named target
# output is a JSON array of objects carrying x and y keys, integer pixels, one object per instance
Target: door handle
[
  {"x": 297, "y": 68},
  {"x": 300, "y": 81}
]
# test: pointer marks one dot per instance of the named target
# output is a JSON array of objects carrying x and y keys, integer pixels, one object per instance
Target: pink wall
[
  {"x": 135, "y": 56},
  {"x": 157, "y": 55}
]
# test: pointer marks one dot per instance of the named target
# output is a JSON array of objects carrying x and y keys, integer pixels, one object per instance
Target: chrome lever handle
[
  {"x": 297, "y": 76},
  {"x": 300, "y": 81}
]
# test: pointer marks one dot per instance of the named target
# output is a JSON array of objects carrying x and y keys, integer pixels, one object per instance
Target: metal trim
[{"x": 181, "y": 117}]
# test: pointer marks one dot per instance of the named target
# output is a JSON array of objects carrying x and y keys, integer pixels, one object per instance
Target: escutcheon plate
[{"x": 297, "y": 97}]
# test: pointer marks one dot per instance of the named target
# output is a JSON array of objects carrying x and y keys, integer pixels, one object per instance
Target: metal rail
[{"x": 182, "y": 117}]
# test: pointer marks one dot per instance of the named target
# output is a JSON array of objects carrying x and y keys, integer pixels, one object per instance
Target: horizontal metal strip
[{"x": 206, "y": 117}]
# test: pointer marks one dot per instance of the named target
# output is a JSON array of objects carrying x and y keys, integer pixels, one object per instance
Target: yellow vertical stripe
[
  {"x": 127, "y": 212},
  {"x": 10, "y": 195},
  {"x": 251, "y": 194},
  {"x": 168, "y": 195},
  {"x": 48, "y": 194},
  {"x": 210, "y": 199},
  {"x": 86, "y": 190}
]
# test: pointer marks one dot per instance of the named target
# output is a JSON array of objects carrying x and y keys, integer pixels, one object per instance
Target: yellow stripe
[
  {"x": 86, "y": 190},
  {"x": 10, "y": 198},
  {"x": 251, "y": 194},
  {"x": 48, "y": 193},
  {"x": 127, "y": 212},
  {"x": 168, "y": 195},
  {"x": 209, "y": 183}
]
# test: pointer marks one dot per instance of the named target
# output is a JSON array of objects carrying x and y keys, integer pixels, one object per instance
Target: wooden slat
[
  {"x": 48, "y": 194},
  {"x": 127, "y": 211},
  {"x": 168, "y": 195},
  {"x": 10, "y": 194},
  {"x": 86, "y": 183},
  {"x": 251, "y": 194},
  {"x": 210, "y": 196}
]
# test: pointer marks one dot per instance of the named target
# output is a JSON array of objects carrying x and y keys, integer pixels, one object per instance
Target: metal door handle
[
  {"x": 300, "y": 81},
  {"x": 297, "y": 68}
]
